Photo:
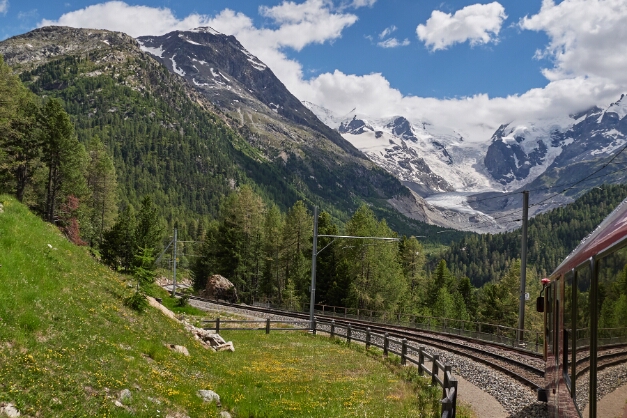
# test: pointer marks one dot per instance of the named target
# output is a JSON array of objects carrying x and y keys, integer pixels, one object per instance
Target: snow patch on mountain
[
  {"x": 205, "y": 29},
  {"x": 186, "y": 39},
  {"x": 254, "y": 61},
  {"x": 619, "y": 107},
  {"x": 176, "y": 69},
  {"x": 157, "y": 52}
]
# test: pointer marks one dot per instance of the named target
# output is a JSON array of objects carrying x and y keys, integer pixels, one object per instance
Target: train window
[
  {"x": 567, "y": 331},
  {"x": 582, "y": 337},
  {"x": 612, "y": 332}
]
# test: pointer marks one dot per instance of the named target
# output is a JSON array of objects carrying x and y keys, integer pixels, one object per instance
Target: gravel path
[{"x": 489, "y": 393}]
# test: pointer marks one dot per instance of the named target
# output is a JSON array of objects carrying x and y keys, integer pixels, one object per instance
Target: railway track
[{"x": 524, "y": 367}]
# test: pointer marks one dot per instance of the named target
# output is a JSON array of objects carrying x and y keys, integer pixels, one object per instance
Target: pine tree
[
  {"x": 327, "y": 287},
  {"x": 102, "y": 183},
  {"x": 65, "y": 159},
  {"x": 206, "y": 262},
  {"x": 373, "y": 267},
  {"x": 273, "y": 283},
  {"x": 20, "y": 138},
  {"x": 297, "y": 235},
  {"x": 149, "y": 229},
  {"x": 413, "y": 260},
  {"x": 240, "y": 241},
  {"x": 119, "y": 244}
]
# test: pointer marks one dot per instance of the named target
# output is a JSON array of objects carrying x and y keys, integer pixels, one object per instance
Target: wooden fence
[{"x": 439, "y": 372}]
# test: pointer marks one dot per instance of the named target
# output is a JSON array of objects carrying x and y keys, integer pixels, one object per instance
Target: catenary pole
[
  {"x": 523, "y": 266},
  {"x": 314, "y": 254},
  {"x": 174, "y": 267}
]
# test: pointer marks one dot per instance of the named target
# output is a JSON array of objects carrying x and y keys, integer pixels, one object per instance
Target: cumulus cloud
[
  {"x": 574, "y": 35},
  {"x": 4, "y": 6},
  {"x": 587, "y": 38},
  {"x": 133, "y": 20},
  {"x": 393, "y": 43},
  {"x": 477, "y": 23}
]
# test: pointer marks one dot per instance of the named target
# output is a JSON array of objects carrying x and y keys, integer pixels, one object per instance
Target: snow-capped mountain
[
  {"x": 427, "y": 158},
  {"x": 440, "y": 164}
]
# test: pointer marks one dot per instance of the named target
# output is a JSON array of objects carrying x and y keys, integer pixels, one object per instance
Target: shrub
[{"x": 137, "y": 301}]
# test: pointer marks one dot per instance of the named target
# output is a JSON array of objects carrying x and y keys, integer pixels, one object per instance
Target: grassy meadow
[{"x": 69, "y": 345}]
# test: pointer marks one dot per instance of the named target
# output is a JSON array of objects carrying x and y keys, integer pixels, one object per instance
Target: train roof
[{"x": 609, "y": 232}]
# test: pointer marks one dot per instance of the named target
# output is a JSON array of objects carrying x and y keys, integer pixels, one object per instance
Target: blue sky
[{"x": 472, "y": 64}]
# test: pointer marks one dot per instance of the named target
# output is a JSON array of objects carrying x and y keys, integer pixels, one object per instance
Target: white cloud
[
  {"x": 572, "y": 86},
  {"x": 587, "y": 38},
  {"x": 133, "y": 20},
  {"x": 477, "y": 23},
  {"x": 393, "y": 43},
  {"x": 387, "y": 31},
  {"x": 4, "y": 6}
]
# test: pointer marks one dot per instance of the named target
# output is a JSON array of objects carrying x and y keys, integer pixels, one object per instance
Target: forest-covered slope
[
  {"x": 552, "y": 236},
  {"x": 170, "y": 142}
]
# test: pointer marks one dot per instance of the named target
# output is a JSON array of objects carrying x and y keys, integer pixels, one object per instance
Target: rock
[
  {"x": 219, "y": 287},
  {"x": 1, "y": 208},
  {"x": 225, "y": 414},
  {"x": 224, "y": 347},
  {"x": 209, "y": 396},
  {"x": 119, "y": 404},
  {"x": 9, "y": 410},
  {"x": 178, "y": 349},
  {"x": 125, "y": 394},
  {"x": 160, "y": 307}
]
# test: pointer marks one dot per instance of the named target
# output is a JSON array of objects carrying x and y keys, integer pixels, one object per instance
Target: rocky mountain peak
[
  {"x": 49, "y": 42},
  {"x": 402, "y": 128},
  {"x": 231, "y": 77}
]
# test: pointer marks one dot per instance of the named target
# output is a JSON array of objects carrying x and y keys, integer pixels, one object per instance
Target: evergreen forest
[{"x": 116, "y": 167}]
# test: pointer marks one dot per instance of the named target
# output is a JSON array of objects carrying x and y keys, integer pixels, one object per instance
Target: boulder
[
  {"x": 209, "y": 396},
  {"x": 9, "y": 410},
  {"x": 219, "y": 287},
  {"x": 178, "y": 349},
  {"x": 125, "y": 394},
  {"x": 225, "y": 347}
]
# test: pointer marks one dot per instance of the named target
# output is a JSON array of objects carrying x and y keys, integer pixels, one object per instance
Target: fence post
[
  {"x": 217, "y": 325},
  {"x": 446, "y": 407},
  {"x": 403, "y": 351},
  {"x": 268, "y": 326},
  {"x": 447, "y": 372},
  {"x": 434, "y": 370},
  {"x": 315, "y": 324},
  {"x": 386, "y": 343},
  {"x": 367, "y": 338},
  {"x": 453, "y": 385},
  {"x": 332, "y": 328},
  {"x": 421, "y": 359},
  {"x": 348, "y": 334},
  {"x": 537, "y": 340}
]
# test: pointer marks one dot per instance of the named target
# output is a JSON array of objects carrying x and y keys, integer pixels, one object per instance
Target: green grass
[{"x": 68, "y": 346}]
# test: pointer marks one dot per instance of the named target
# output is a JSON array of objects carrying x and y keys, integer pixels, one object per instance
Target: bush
[
  {"x": 183, "y": 300},
  {"x": 137, "y": 301}
]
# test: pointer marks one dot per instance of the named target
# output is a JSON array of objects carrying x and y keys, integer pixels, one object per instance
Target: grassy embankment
[{"x": 68, "y": 346}]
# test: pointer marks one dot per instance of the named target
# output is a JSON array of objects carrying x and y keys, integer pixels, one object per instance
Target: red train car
[{"x": 585, "y": 321}]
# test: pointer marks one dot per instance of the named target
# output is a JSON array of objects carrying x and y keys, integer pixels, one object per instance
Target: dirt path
[{"x": 482, "y": 403}]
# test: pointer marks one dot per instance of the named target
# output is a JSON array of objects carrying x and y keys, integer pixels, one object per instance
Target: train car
[{"x": 585, "y": 322}]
